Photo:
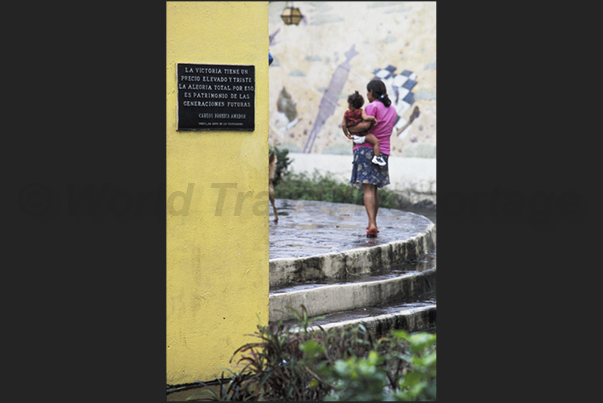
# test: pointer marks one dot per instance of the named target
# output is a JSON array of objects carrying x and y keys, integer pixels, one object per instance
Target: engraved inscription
[{"x": 215, "y": 97}]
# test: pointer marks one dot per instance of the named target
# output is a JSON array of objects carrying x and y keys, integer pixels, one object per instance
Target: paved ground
[{"x": 308, "y": 228}]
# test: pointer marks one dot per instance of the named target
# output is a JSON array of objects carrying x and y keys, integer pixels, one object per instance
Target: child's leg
[{"x": 370, "y": 138}]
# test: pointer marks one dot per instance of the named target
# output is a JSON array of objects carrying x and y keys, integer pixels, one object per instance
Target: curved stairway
[{"x": 323, "y": 261}]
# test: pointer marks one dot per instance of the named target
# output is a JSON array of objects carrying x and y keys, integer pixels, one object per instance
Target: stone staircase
[{"x": 386, "y": 285}]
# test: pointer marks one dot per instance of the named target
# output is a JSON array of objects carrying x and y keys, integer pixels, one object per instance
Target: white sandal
[{"x": 379, "y": 161}]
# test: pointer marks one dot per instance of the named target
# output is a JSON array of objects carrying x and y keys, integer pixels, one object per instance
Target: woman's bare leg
[
  {"x": 376, "y": 203},
  {"x": 371, "y": 204}
]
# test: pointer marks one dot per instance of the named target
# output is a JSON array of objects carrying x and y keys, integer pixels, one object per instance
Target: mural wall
[{"x": 336, "y": 49}]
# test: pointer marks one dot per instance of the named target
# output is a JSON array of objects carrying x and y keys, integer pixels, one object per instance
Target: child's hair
[
  {"x": 356, "y": 100},
  {"x": 379, "y": 91}
]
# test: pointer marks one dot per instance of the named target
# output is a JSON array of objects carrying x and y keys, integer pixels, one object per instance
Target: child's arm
[
  {"x": 369, "y": 118},
  {"x": 344, "y": 127}
]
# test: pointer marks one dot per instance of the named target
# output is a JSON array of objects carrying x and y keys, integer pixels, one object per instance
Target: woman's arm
[
  {"x": 360, "y": 127},
  {"x": 366, "y": 124}
]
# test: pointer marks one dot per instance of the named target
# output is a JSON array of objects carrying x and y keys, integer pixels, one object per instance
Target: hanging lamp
[{"x": 291, "y": 15}]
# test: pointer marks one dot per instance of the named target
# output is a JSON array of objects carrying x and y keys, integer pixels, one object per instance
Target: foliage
[
  {"x": 230, "y": 389},
  {"x": 282, "y": 163},
  {"x": 359, "y": 379},
  {"x": 300, "y": 186},
  {"x": 419, "y": 383},
  {"x": 335, "y": 364},
  {"x": 404, "y": 370}
]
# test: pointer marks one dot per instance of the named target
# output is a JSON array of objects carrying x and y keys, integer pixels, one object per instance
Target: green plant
[
  {"x": 274, "y": 365},
  {"x": 294, "y": 363},
  {"x": 300, "y": 186},
  {"x": 359, "y": 379},
  {"x": 402, "y": 367},
  {"x": 419, "y": 382},
  {"x": 230, "y": 389}
]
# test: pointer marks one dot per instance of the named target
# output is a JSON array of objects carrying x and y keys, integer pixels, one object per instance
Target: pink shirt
[{"x": 386, "y": 119}]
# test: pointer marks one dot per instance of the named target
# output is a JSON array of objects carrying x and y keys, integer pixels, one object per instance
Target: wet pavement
[{"x": 308, "y": 228}]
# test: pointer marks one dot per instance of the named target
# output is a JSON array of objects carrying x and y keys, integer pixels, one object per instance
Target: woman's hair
[
  {"x": 379, "y": 91},
  {"x": 356, "y": 100}
]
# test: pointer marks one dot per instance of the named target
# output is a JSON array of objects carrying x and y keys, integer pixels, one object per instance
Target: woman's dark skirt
[{"x": 364, "y": 171}]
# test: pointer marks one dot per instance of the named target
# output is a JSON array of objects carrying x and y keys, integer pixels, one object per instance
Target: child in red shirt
[{"x": 354, "y": 115}]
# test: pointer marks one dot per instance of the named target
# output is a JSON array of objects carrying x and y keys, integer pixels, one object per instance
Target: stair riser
[
  {"x": 344, "y": 297},
  {"x": 352, "y": 262},
  {"x": 420, "y": 319}
]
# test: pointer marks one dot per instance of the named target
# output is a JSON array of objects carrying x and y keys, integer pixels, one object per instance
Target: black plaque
[{"x": 216, "y": 97}]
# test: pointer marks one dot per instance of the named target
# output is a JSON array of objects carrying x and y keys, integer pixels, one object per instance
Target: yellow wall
[{"x": 217, "y": 265}]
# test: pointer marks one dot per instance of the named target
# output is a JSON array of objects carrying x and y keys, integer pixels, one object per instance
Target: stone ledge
[
  {"x": 410, "y": 198},
  {"x": 327, "y": 299},
  {"x": 285, "y": 271},
  {"x": 414, "y": 320}
]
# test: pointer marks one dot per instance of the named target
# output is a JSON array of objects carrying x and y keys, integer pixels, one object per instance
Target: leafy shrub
[
  {"x": 335, "y": 364},
  {"x": 404, "y": 369},
  {"x": 300, "y": 186},
  {"x": 359, "y": 379},
  {"x": 419, "y": 383}
]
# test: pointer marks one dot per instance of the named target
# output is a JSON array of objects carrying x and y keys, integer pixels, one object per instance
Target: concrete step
[
  {"x": 418, "y": 316},
  {"x": 322, "y": 260},
  {"x": 317, "y": 240},
  {"x": 355, "y": 292},
  {"x": 285, "y": 271}
]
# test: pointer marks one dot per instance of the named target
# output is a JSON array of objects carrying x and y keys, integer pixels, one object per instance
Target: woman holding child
[{"x": 366, "y": 173}]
